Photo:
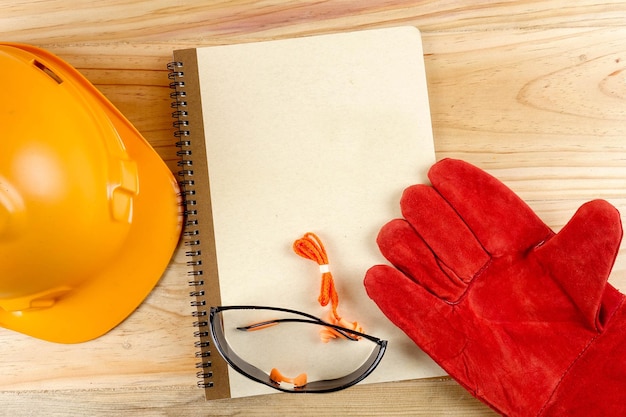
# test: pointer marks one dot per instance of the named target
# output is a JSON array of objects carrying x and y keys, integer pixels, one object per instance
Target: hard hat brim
[{"x": 104, "y": 301}]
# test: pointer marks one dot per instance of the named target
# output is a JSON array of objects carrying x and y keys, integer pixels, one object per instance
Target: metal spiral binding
[{"x": 191, "y": 232}]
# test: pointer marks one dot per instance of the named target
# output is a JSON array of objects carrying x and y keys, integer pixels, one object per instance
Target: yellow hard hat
[{"x": 89, "y": 213}]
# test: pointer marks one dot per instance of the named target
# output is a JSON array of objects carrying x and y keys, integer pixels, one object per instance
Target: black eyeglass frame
[{"x": 256, "y": 374}]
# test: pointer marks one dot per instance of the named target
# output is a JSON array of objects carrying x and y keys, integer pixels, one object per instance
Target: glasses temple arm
[{"x": 347, "y": 333}]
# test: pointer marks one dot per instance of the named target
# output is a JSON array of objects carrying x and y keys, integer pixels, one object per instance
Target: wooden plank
[
  {"x": 118, "y": 21},
  {"x": 431, "y": 398}
]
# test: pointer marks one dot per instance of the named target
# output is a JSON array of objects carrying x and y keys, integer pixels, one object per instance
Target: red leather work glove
[{"x": 522, "y": 317}]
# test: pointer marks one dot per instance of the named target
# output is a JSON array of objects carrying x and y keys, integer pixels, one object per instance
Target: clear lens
[{"x": 291, "y": 346}]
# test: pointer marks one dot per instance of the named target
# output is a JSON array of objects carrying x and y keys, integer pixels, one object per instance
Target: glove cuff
[{"x": 594, "y": 384}]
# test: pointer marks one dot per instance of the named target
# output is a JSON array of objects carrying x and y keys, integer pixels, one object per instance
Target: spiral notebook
[{"x": 314, "y": 134}]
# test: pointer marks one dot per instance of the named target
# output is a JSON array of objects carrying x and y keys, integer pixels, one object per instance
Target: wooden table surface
[{"x": 532, "y": 91}]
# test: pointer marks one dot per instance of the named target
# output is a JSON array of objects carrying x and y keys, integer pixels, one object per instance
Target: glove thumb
[{"x": 580, "y": 258}]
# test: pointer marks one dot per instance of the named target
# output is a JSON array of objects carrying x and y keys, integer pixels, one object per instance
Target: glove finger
[
  {"x": 453, "y": 243},
  {"x": 501, "y": 221},
  {"x": 408, "y": 252},
  {"x": 581, "y": 256},
  {"x": 425, "y": 318}
]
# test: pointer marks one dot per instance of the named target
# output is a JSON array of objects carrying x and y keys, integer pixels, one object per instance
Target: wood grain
[
  {"x": 432, "y": 398},
  {"x": 57, "y": 21},
  {"x": 532, "y": 91}
]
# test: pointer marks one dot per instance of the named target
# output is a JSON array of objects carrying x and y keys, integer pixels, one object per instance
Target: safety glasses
[{"x": 237, "y": 321}]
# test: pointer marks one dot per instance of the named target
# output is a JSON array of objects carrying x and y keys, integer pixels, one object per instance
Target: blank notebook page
[{"x": 318, "y": 134}]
